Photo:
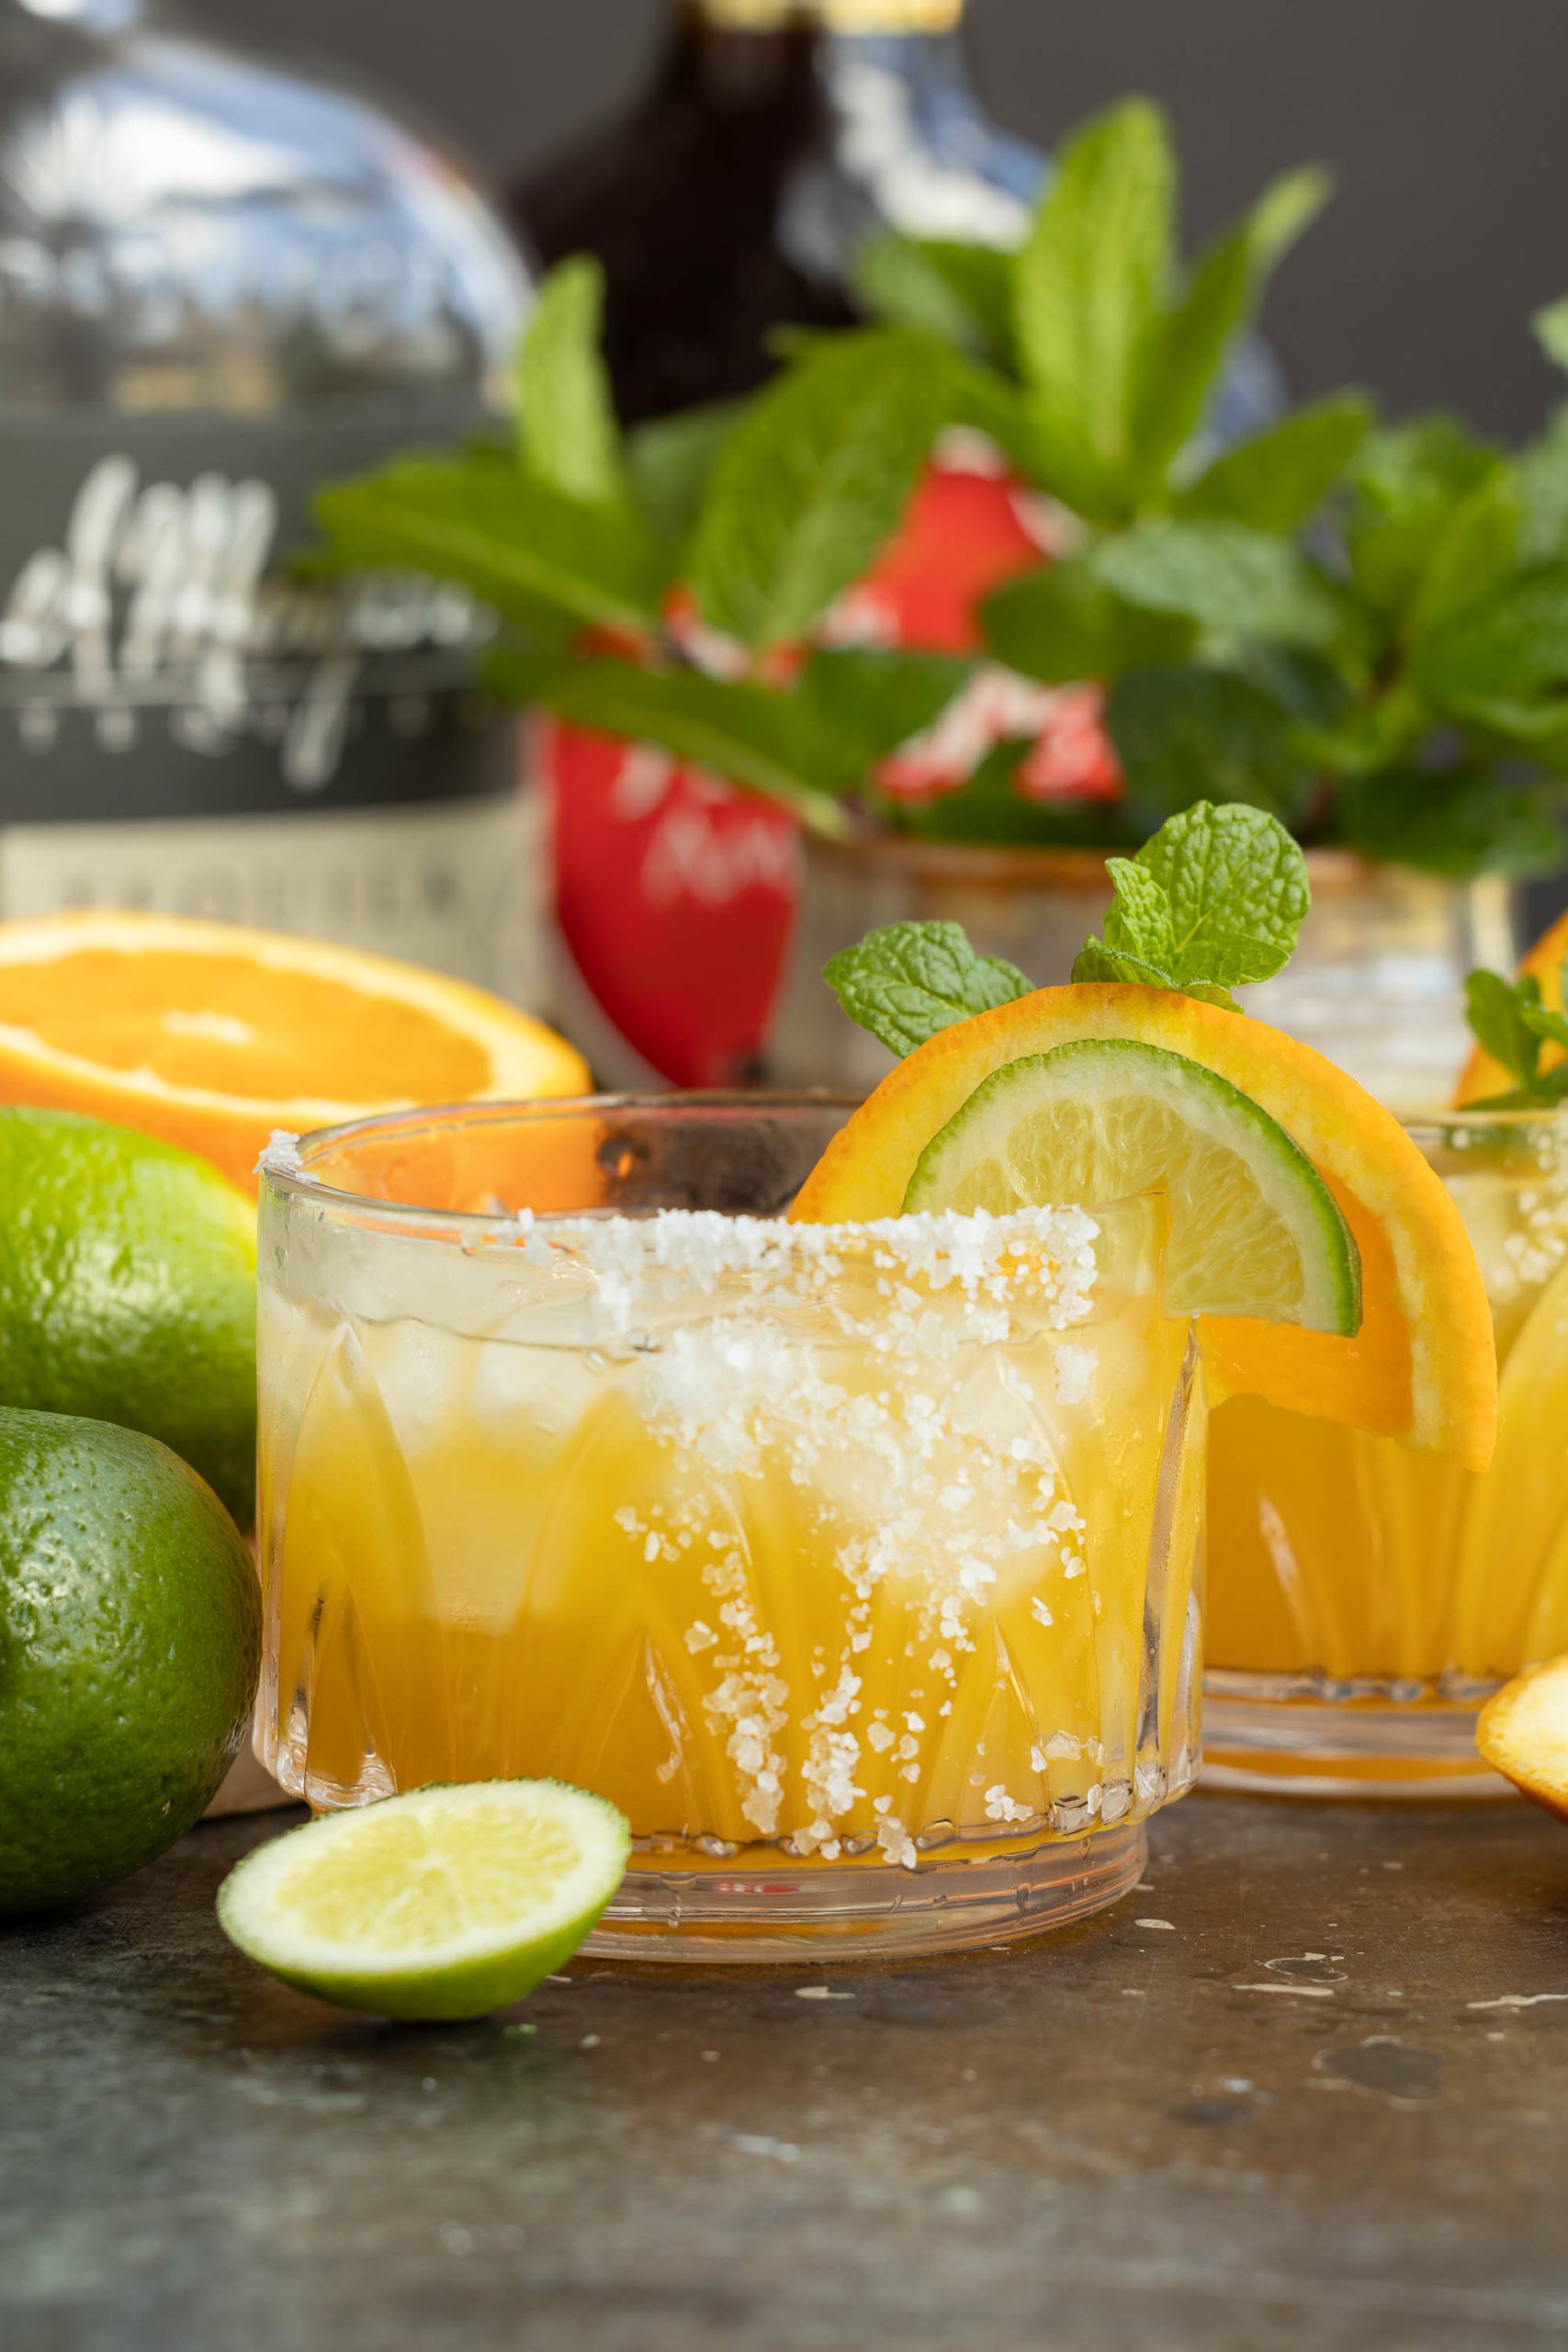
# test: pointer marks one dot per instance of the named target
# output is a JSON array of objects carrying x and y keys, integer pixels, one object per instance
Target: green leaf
[
  {"x": 1511, "y": 648},
  {"x": 1460, "y": 821},
  {"x": 1238, "y": 892},
  {"x": 566, "y": 433},
  {"x": 1551, "y": 326},
  {"x": 746, "y": 734},
  {"x": 1141, "y": 921},
  {"x": 1061, "y": 624},
  {"x": 1224, "y": 292},
  {"x": 1214, "y": 901},
  {"x": 1095, "y": 961},
  {"x": 514, "y": 542},
  {"x": 961, "y": 292},
  {"x": 1407, "y": 481},
  {"x": 1542, "y": 472},
  {"x": 1235, "y": 582},
  {"x": 873, "y": 701},
  {"x": 1278, "y": 481},
  {"x": 669, "y": 463},
  {"x": 813, "y": 482},
  {"x": 910, "y": 980},
  {"x": 1090, "y": 285},
  {"x": 1474, "y": 553},
  {"x": 1495, "y": 1009},
  {"x": 1184, "y": 734}
]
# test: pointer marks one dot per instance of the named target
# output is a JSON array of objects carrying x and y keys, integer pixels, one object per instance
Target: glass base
[
  {"x": 866, "y": 1911},
  {"x": 1304, "y": 1736}
]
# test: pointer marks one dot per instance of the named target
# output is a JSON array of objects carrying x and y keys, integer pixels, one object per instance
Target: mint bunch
[
  {"x": 584, "y": 540},
  {"x": 1360, "y": 631},
  {"x": 1509, "y": 1021},
  {"x": 1214, "y": 901}
]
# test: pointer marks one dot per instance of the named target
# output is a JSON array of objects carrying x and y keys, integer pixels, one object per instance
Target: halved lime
[
  {"x": 445, "y": 1903},
  {"x": 1253, "y": 1229}
]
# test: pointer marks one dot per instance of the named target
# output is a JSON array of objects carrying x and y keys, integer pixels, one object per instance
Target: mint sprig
[
  {"x": 1511, "y": 1024},
  {"x": 1214, "y": 901},
  {"x": 910, "y": 980}
]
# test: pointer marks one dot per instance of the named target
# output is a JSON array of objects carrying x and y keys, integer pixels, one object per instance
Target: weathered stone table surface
[{"x": 1307, "y": 2087}]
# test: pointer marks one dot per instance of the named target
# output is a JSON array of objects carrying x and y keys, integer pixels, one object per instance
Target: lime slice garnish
[
  {"x": 445, "y": 1903},
  {"x": 1253, "y": 1229}
]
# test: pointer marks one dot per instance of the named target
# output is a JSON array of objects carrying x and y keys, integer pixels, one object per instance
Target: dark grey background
[{"x": 1444, "y": 119}]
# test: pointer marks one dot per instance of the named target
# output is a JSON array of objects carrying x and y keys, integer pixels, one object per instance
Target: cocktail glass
[
  {"x": 1363, "y": 1599},
  {"x": 856, "y": 1563}
]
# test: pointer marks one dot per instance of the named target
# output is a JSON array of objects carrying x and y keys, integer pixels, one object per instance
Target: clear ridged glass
[
  {"x": 857, "y": 1565},
  {"x": 1363, "y": 1599}
]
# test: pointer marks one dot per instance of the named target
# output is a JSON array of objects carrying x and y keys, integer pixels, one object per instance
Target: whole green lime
[
  {"x": 128, "y": 1273},
  {"x": 130, "y": 1639}
]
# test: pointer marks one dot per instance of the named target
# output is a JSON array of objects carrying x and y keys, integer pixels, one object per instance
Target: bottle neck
[
  {"x": 878, "y": 16},
  {"x": 756, "y": 55}
]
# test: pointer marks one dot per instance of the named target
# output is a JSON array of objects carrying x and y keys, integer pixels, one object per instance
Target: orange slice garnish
[{"x": 1421, "y": 1369}]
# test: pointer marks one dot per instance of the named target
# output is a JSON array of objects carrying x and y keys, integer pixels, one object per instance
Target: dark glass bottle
[
  {"x": 222, "y": 282},
  {"x": 776, "y": 136}
]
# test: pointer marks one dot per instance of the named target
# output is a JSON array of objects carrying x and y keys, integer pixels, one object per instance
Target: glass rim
[
  {"x": 285, "y": 1163},
  {"x": 1472, "y": 1118},
  {"x": 284, "y": 1166}
]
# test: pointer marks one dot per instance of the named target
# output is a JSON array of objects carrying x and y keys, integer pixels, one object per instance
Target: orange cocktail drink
[
  {"x": 854, "y": 1563},
  {"x": 1363, "y": 1599}
]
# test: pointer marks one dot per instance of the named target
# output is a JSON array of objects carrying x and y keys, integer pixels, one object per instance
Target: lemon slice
[
  {"x": 445, "y": 1903},
  {"x": 1254, "y": 1228}
]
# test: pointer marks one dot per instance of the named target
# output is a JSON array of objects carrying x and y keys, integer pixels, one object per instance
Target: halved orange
[
  {"x": 213, "y": 1036},
  {"x": 1522, "y": 1731},
  {"x": 1483, "y": 1077},
  {"x": 1420, "y": 1368}
]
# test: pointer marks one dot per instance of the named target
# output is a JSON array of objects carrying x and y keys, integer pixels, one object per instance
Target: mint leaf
[
  {"x": 1090, "y": 288},
  {"x": 1184, "y": 734},
  {"x": 1473, "y": 554},
  {"x": 1542, "y": 472},
  {"x": 814, "y": 480},
  {"x": 1460, "y": 821},
  {"x": 1216, "y": 899},
  {"x": 1096, "y": 961},
  {"x": 514, "y": 542},
  {"x": 873, "y": 701},
  {"x": 1141, "y": 921},
  {"x": 961, "y": 292},
  {"x": 1235, "y": 582},
  {"x": 1512, "y": 648},
  {"x": 1407, "y": 482},
  {"x": 566, "y": 433},
  {"x": 767, "y": 742},
  {"x": 908, "y": 982},
  {"x": 1062, "y": 624},
  {"x": 668, "y": 462},
  {"x": 1509, "y": 1023},
  {"x": 1278, "y": 481},
  {"x": 1551, "y": 327},
  {"x": 1238, "y": 891},
  {"x": 1224, "y": 292}
]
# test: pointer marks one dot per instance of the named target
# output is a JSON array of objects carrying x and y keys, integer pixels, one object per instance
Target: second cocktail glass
[
  {"x": 856, "y": 1563},
  {"x": 1362, "y": 1599}
]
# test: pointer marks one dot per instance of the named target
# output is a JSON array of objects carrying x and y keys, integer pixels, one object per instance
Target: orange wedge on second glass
[
  {"x": 1483, "y": 1076},
  {"x": 1421, "y": 1367},
  {"x": 213, "y": 1035}
]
